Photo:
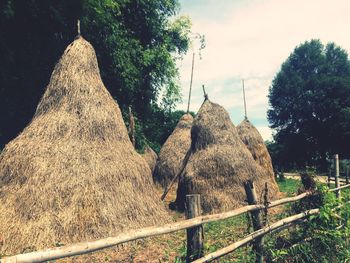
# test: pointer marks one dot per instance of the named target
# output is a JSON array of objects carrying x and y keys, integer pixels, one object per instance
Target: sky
[{"x": 250, "y": 39}]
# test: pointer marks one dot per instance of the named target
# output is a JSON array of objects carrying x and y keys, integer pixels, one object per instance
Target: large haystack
[
  {"x": 73, "y": 174},
  {"x": 150, "y": 157},
  {"x": 255, "y": 144},
  {"x": 173, "y": 151},
  {"x": 219, "y": 163}
]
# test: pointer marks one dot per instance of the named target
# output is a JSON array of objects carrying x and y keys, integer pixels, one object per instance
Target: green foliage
[
  {"x": 137, "y": 43},
  {"x": 310, "y": 105},
  {"x": 323, "y": 238}
]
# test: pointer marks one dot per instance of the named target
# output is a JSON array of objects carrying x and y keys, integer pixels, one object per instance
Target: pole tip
[
  {"x": 205, "y": 94},
  {"x": 78, "y": 27}
]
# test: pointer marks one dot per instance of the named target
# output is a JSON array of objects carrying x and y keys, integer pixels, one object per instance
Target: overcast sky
[{"x": 250, "y": 39}]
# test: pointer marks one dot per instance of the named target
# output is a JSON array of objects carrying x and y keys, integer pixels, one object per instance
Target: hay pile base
[
  {"x": 219, "y": 163},
  {"x": 72, "y": 174},
  {"x": 173, "y": 151},
  {"x": 150, "y": 157},
  {"x": 255, "y": 144}
]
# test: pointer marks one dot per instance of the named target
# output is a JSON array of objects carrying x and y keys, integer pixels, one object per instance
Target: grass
[
  {"x": 288, "y": 186},
  {"x": 220, "y": 234}
]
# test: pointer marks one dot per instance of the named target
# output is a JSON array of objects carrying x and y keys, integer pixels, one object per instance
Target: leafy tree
[
  {"x": 137, "y": 43},
  {"x": 310, "y": 103}
]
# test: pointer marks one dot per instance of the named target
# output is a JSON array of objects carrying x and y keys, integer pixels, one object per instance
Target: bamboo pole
[
  {"x": 255, "y": 235},
  {"x": 189, "y": 93},
  {"x": 195, "y": 248}
]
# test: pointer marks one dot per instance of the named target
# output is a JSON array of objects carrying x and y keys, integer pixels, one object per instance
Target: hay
[
  {"x": 173, "y": 151},
  {"x": 150, "y": 157},
  {"x": 255, "y": 144},
  {"x": 219, "y": 163},
  {"x": 73, "y": 174}
]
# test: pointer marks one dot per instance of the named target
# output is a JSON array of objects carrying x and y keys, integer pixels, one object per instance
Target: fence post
[
  {"x": 336, "y": 174},
  {"x": 256, "y": 218},
  {"x": 329, "y": 178},
  {"x": 195, "y": 234},
  {"x": 347, "y": 175}
]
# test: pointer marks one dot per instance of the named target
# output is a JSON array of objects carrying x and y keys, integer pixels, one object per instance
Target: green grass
[
  {"x": 220, "y": 234},
  {"x": 289, "y": 186}
]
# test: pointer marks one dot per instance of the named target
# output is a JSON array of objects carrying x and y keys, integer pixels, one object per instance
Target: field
[{"x": 172, "y": 247}]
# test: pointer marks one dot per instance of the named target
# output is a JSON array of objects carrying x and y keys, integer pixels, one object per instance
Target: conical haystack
[
  {"x": 255, "y": 144},
  {"x": 150, "y": 157},
  {"x": 72, "y": 174},
  {"x": 219, "y": 163},
  {"x": 173, "y": 151}
]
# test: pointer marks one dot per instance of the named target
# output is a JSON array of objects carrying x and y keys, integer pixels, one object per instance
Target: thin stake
[
  {"x": 205, "y": 94},
  {"x": 78, "y": 26},
  {"x": 245, "y": 105},
  {"x": 189, "y": 94},
  {"x": 336, "y": 174}
]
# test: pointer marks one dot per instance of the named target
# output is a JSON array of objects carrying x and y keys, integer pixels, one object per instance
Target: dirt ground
[{"x": 296, "y": 176}]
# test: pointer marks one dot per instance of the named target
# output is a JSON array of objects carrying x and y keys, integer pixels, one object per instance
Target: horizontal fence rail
[
  {"x": 91, "y": 246},
  {"x": 281, "y": 223}
]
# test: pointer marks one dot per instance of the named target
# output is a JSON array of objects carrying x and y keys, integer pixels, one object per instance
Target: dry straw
[
  {"x": 173, "y": 151},
  {"x": 150, "y": 157},
  {"x": 219, "y": 163},
  {"x": 73, "y": 174},
  {"x": 255, "y": 144}
]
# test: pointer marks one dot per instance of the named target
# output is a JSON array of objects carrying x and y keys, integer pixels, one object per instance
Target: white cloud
[{"x": 251, "y": 40}]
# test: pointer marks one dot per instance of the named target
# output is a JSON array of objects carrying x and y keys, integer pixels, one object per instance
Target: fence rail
[{"x": 91, "y": 246}]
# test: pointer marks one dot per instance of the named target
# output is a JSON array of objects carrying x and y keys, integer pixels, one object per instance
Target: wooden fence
[{"x": 198, "y": 221}]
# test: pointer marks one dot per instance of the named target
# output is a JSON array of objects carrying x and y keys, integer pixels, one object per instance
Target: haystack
[
  {"x": 255, "y": 144},
  {"x": 150, "y": 157},
  {"x": 173, "y": 151},
  {"x": 219, "y": 163},
  {"x": 73, "y": 174}
]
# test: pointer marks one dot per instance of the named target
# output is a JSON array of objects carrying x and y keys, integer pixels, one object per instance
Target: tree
[
  {"x": 136, "y": 42},
  {"x": 310, "y": 103}
]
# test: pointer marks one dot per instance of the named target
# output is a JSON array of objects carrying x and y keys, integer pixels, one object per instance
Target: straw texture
[
  {"x": 255, "y": 144},
  {"x": 73, "y": 174},
  {"x": 150, "y": 157},
  {"x": 173, "y": 151},
  {"x": 219, "y": 163}
]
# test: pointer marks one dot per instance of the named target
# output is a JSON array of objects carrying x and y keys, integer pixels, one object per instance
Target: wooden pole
[
  {"x": 189, "y": 94},
  {"x": 329, "y": 178},
  {"x": 204, "y": 92},
  {"x": 256, "y": 218},
  {"x": 338, "y": 188},
  {"x": 91, "y": 246},
  {"x": 245, "y": 105},
  {"x": 336, "y": 174},
  {"x": 182, "y": 168},
  {"x": 292, "y": 220},
  {"x": 347, "y": 175},
  {"x": 132, "y": 127},
  {"x": 78, "y": 27},
  {"x": 195, "y": 248}
]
